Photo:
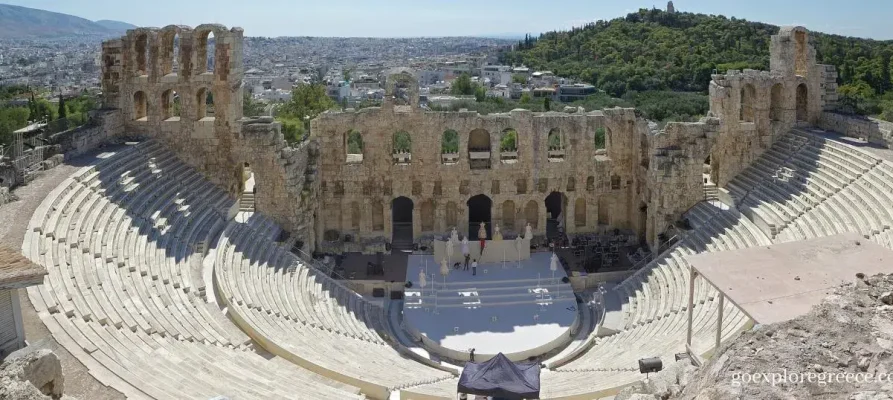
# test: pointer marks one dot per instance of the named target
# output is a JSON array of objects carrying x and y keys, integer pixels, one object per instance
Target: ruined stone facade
[{"x": 342, "y": 184}]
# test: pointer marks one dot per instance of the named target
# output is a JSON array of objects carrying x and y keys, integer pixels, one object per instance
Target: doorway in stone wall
[
  {"x": 401, "y": 223},
  {"x": 479, "y": 210},
  {"x": 249, "y": 190},
  {"x": 556, "y": 218}
]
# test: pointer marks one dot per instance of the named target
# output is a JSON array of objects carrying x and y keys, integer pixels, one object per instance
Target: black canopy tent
[{"x": 501, "y": 378}]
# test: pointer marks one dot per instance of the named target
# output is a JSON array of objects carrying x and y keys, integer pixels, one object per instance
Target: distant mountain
[
  {"x": 29, "y": 23},
  {"x": 117, "y": 26}
]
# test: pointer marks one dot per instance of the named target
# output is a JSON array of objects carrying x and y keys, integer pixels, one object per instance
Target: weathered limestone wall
[
  {"x": 147, "y": 85},
  {"x": 285, "y": 181},
  {"x": 675, "y": 172},
  {"x": 356, "y": 197},
  {"x": 871, "y": 129},
  {"x": 105, "y": 125}
]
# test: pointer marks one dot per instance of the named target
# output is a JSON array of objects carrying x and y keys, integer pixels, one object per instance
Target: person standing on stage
[{"x": 474, "y": 267}]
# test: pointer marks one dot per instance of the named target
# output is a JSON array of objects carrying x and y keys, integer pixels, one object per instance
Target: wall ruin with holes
[
  {"x": 639, "y": 180},
  {"x": 356, "y": 195}
]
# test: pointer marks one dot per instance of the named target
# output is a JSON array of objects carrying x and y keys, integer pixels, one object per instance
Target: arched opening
[
  {"x": 508, "y": 215},
  {"x": 590, "y": 184},
  {"x": 427, "y": 215},
  {"x": 800, "y": 43},
  {"x": 141, "y": 48},
  {"x": 401, "y": 223},
  {"x": 353, "y": 143},
  {"x": 776, "y": 100},
  {"x": 508, "y": 146},
  {"x": 710, "y": 190},
  {"x": 580, "y": 213},
  {"x": 452, "y": 215},
  {"x": 169, "y": 52},
  {"x": 140, "y": 106},
  {"x": 377, "y": 216},
  {"x": 249, "y": 189},
  {"x": 170, "y": 105},
  {"x": 479, "y": 210},
  {"x": 802, "y": 103},
  {"x": 531, "y": 214},
  {"x": 403, "y": 84},
  {"x": 604, "y": 211},
  {"x": 402, "y": 147},
  {"x": 204, "y": 52},
  {"x": 209, "y": 60},
  {"x": 600, "y": 140},
  {"x": 556, "y": 205},
  {"x": 449, "y": 147},
  {"x": 204, "y": 102},
  {"x": 748, "y": 97},
  {"x": 479, "y": 149},
  {"x": 556, "y": 145},
  {"x": 355, "y": 216}
]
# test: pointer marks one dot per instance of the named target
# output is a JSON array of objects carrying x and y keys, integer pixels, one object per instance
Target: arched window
[
  {"x": 452, "y": 215},
  {"x": 776, "y": 102},
  {"x": 748, "y": 97},
  {"x": 169, "y": 51},
  {"x": 355, "y": 216},
  {"x": 508, "y": 145},
  {"x": 427, "y": 215},
  {"x": 377, "y": 216},
  {"x": 204, "y": 102},
  {"x": 531, "y": 213},
  {"x": 590, "y": 184},
  {"x": 802, "y": 102},
  {"x": 402, "y": 147},
  {"x": 479, "y": 149},
  {"x": 170, "y": 105},
  {"x": 449, "y": 147},
  {"x": 508, "y": 214},
  {"x": 140, "y": 106},
  {"x": 205, "y": 57},
  {"x": 353, "y": 145},
  {"x": 600, "y": 140},
  {"x": 580, "y": 212},
  {"x": 141, "y": 47},
  {"x": 556, "y": 145}
]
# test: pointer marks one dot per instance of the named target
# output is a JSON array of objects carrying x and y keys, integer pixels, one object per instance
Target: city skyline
[{"x": 344, "y": 18}]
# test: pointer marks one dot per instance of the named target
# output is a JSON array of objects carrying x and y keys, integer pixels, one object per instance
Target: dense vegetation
[
  {"x": 652, "y": 50},
  {"x": 307, "y": 101},
  {"x": 14, "y": 115}
]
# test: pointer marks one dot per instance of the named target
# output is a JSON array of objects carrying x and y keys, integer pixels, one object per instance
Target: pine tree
[{"x": 63, "y": 113}]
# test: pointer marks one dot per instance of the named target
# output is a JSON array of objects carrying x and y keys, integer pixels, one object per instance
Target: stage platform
[{"x": 517, "y": 309}]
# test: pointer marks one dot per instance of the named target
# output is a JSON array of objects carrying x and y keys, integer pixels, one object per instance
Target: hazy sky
[{"x": 389, "y": 18}]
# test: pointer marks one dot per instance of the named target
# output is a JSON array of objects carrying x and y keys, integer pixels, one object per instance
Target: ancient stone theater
[{"x": 195, "y": 253}]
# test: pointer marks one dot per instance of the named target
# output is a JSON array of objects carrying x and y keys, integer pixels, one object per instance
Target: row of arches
[
  {"x": 171, "y": 104},
  {"x": 748, "y": 96},
  {"x": 480, "y": 209},
  {"x": 479, "y": 145},
  {"x": 169, "y": 52}
]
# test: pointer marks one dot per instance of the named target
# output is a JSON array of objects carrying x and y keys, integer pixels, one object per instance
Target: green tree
[
  {"x": 600, "y": 138},
  {"x": 62, "y": 113},
  {"x": 525, "y": 98},
  {"x": 547, "y": 104},
  {"x": 402, "y": 142},
  {"x": 449, "y": 143},
  {"x": 462, "y": 86},
  {"x": 509, "y": 140},
  {"x": 480, "y": 94},
  {"x": 251, "y": 107},
  {"x": 307, "y": 101},
  {"x": 519, "y": 78},
  {"x": 354, "y": 142}
]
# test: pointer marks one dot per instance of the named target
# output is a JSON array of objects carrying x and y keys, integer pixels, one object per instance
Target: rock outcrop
[{"x": 30, "y": 374}]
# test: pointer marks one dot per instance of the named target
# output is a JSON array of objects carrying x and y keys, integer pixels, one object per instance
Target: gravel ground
[{"x": 14, "y": 219}]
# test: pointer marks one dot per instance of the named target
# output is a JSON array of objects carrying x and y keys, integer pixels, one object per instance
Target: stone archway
[
  {"x": 802, "y": 102},
  {"x": 556, "y": 210},
  {"x": 480, "y": 209},
  {"x": 401, "y": 223}
]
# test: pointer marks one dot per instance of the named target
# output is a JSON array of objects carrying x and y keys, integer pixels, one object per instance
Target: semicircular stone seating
[
  {"x": 317, "y": 321},
  {"x": 124, "y": 293},
  {"x": 123, "y": 241}
]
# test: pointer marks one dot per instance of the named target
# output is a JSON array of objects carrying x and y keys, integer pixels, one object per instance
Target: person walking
[{"x": 474, "y": 267}]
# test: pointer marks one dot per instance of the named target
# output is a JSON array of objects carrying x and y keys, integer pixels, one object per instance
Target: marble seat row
[
  {"x": 308, "y": 314},
  {"x": 121, "y": 295}
]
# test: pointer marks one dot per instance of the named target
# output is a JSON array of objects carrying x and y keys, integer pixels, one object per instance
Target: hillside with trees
[{"x": 653, "y": 50}]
